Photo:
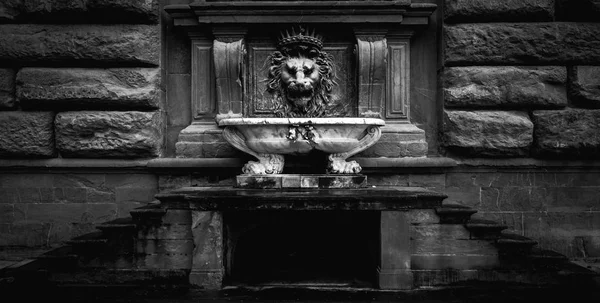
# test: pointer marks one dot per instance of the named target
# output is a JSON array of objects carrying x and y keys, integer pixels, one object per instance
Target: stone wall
[
  {"x": 521, "y": 82},
  {"x": 78, "y": 79}
]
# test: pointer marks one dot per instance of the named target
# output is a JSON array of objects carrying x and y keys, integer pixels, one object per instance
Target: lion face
[{"x": 299, "y": 79}]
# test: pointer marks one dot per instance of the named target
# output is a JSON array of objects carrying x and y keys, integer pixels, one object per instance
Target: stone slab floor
[{"x": 497, "y": 292}]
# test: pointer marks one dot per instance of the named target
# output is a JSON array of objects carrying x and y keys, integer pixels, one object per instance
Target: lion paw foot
[
  {"x": 267, "y": 164},
  {"x": 341, "y": 166}
]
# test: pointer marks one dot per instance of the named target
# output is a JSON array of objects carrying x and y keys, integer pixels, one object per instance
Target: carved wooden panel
[
  {"x": 398, "y": 80},
  {"x": 203, "y": 100},
  {"x": 259, "y": 101}
]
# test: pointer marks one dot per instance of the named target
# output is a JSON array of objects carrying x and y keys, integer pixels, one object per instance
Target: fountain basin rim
[{"x": 302, "y": 121}]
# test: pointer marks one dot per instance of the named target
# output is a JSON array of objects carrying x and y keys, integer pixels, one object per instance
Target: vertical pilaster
[
  {"x": 398, "y": 80},
  {"x": 371, "y": 52},
  {"x": 228, "y": 55},
  {"x": 207, "y": 261},
  {"x": 203, "y": 86},
  {"x": 394, "y": 268}
]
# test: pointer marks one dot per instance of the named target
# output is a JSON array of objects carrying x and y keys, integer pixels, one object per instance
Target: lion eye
[{"x": 308, "y": 70}]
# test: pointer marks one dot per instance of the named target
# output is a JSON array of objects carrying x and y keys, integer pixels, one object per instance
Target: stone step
[
  {"x": 485, "y": 229},
  {"x": 454, "y": 213},
  {"x": 62, "y": 259},
  {"x": 131, "y": 276},
  {"x": 94, "y": 238},
  {"x": 509, "y": 243},
  {"x": 545, "y": 257},
  {"x": 149, "y": 214},
  {"x": 118, "y": 225}
]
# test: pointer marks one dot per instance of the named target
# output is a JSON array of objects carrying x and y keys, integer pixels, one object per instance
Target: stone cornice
[{"x": 269, "y": 12}]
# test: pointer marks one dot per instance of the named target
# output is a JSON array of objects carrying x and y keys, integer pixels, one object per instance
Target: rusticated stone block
[
  {"x": 7, "y": 88},
  {"x": 493, "y": 11},
  {"x": 95, "y": 134},
  {"x": 430, "y": 232},
  {"x": 522, "y": 43},
  {"x": 505, "y": 86},
  {"x": 578, "y": 10},
  {"x": 79, "y": 88},
  {"x": 44, "y": 44},
  {"x": 584, "y": 86},
  {"x": 571, "y": 132},
  {"x": 26, "y": 134},
  {"x": 488, "y": 133},
  {"x": 91, "y": 11}
]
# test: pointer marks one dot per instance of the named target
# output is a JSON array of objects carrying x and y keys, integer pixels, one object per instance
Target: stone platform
[
  {"x": 235, "y": 199},
  {"x": 301, "y": 181}
]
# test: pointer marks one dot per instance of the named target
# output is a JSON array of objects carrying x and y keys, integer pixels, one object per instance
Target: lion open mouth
[{"x": 300, "y": 95}]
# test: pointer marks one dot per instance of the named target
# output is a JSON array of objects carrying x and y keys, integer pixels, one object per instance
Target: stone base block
[
  {"x": 301, "y": 181},
  {"x": 207, "y": 279},
  {"x": 398, "y": 141},
  {"x": 204, "y": 141},
  {"x": 395, "y": 278}
]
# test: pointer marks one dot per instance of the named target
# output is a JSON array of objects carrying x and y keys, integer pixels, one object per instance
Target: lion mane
[{"x": 322, "y": 103}]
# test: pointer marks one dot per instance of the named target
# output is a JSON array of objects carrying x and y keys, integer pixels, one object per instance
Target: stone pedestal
[
  {"x": 207, "y": 205},
  {"x": 394, "y": 268}
]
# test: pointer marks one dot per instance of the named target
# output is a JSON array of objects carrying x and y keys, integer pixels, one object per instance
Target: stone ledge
[
  {"x": 72, "y": 163},
  {"x": 372, "y": 163},
  {"x": 526, "y": 163}
]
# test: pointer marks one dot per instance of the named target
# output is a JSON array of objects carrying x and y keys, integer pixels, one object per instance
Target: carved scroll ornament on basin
[{"x": 268, "y": 139}]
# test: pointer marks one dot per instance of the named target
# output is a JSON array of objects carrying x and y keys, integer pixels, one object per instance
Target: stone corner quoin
[
  {"x": 109, "y": 134},
  {"x": 570, "y": 132},
  {"x": 89, "y": 88},
  {"x": 545, "y": 43},
  {"x": 488, "y": 133},
  {"x": 470, "y": 11},
  {"x": 88, "y": 11},
  {"x": 505, "y": 87},
  {"x": 27, "y": 134},
  {"x": 49, "y": 44}
]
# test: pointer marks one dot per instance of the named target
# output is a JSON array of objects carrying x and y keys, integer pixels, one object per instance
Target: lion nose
[{"x": 302, "y": 80}]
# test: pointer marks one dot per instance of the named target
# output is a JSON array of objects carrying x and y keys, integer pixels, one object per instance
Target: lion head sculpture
[{"x": 301, "y": 76}]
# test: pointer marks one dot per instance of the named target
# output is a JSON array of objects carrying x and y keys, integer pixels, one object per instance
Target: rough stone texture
[
  {"x": 93, "y": 44},
  {"x": 464, "y": 11},
  {"x": 79, "y": 88},
  {"x": 522, "y": 43},
  {"x": 571, "y": 132},
  {"x": 584, "y": 86},
  {"x": 395, "y": 145},
  {"x": 578, "y": 10},
  {"x": 90, "y": 11},
  {"x": 26, "y": 134},
  {"x": 97, "y": 134},
  {"x": 7, "y": 88},
  {"x": 488, "y": 133},
  {"x": 510, "y": 86}
]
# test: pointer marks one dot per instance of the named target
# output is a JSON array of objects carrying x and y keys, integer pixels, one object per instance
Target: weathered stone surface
[
  {"x": 7, "y": 88},
  {"x": 95, "y": 134},
  {"x": 584, "y": 86},
  {"x": 48, "y": 44},
  {"x": 493, "y": 11},
  {"x": 578, "y": 10},
  {"x": 488, "y": 133},
  {"x": 90, "y": 11},
  {"x": 522, "y": 43},
  {"x": 26, "y": 134},
  {"x": 80, "y": 88},
  {"x": 505, "y": 86},
  {"x": 572, "y": 132}
]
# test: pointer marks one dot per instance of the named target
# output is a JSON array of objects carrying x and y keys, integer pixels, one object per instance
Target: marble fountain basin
[{"x": 268, "y": 139}]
